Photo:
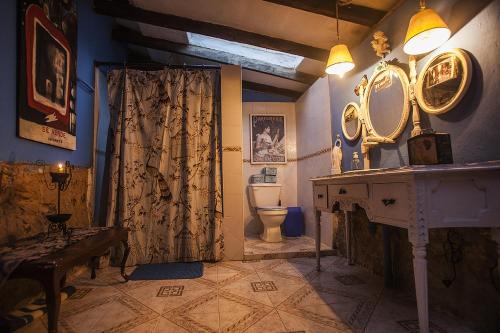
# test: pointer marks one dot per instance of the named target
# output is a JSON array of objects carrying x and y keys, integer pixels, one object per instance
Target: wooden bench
[{"x": 50, "y": 270}]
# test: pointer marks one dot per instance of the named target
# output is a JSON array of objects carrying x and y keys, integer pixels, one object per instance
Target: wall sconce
[
  {"x": 340, "y": 59},
  {"x": 60, "y": 180},
  {"x": 427, "y": 31}
]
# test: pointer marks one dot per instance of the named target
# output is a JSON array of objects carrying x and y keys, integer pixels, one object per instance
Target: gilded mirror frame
[
  {"x": 344, "y": 127},
  {"x": 466, "y": 64},
  {"x": 372, "y": 133}
]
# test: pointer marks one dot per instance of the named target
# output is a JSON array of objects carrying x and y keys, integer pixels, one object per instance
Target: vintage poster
[
  {"x": 268, "y": 137},
  {"x": 47, "y": 72}
]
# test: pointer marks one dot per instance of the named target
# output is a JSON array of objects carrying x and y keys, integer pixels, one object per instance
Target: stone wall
[
  {"x": 475, "y": 293},
  {"x": 24, "y": 202}
]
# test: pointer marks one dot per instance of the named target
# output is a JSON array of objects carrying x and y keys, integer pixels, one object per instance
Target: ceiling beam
[
  {"x": 352, "y": 13},
  {"x": 129, "y": 12},
  {"x": 134, "y": 37},
  {"x": 248, "y": 85}
]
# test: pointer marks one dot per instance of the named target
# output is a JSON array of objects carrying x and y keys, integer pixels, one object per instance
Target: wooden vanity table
[{"x": 416, "y": 198}]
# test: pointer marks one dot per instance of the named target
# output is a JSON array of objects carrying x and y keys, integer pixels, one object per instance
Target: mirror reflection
[
  {"x": 386, "y": 102},
  {"x": 441, "y": 82},
  {"x": 351, "y": 121}
]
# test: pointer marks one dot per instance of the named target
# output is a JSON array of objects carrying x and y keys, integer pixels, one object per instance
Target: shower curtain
[{"x": 165, "y": 165}]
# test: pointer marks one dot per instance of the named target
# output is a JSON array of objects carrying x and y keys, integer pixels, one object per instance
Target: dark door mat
[{"x": 169, "y": 271}]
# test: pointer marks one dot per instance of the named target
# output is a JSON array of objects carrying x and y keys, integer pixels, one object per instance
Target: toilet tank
[{"x": 264, "y": 195}]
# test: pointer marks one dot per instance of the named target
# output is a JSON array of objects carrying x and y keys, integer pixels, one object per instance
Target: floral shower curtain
[{"x": 165, "y": 170}]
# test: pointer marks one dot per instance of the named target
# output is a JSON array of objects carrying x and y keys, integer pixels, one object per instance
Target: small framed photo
[{"x": 268, "y": 139}]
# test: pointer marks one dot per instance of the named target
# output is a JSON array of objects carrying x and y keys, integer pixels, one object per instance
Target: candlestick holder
[{"x": 60, "y": 180}]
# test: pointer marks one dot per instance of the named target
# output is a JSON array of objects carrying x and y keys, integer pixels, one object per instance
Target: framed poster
[
  {"x": 47, "y": 72},
  {"x": 267, "y": 132}
]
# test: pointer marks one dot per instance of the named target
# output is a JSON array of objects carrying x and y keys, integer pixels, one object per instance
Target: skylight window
[{"x": 272, "y": 57}]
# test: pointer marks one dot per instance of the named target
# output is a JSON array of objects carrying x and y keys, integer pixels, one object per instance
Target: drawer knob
[
  {"x": 388, "y": 202},
  {"x": 320, "y": 196},
  {"x": 342, "y": 191}
]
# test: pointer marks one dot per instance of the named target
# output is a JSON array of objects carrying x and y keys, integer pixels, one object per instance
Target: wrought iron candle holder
[{"x": 60, "y": 180}]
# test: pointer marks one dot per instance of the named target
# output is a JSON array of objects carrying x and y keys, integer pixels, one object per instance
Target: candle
[{"x": 60, "y": 167}]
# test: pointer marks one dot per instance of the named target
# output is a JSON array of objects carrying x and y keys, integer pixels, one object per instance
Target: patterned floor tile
[
  {"x": 285, "y": 286},
  {"x": 334, "y": 308},
  {"x": 166, "y": 291},
  {"x": 263, "y": 286},
  {"x": 412, "y": 326},
  {"x": 158, "y": 325},
  {"x": 112, "y": 314},
  {"x": 349, "y": 280},
  {"x": 271, "y": 323},
  {"x": 295, "y": 323},
  {"x": 243, "y": 288},
  {"x": 238, "y": 313}
]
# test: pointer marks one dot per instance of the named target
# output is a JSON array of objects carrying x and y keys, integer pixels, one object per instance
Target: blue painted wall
[
  {"x": 474, "y": 124},
  {"x": 94, "y": 43}
]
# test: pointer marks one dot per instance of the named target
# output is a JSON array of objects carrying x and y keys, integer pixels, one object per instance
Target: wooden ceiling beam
[
  {"x": 248, "y": 85},
  {"x": 129, "y": 12},
  {"x": 352, "y": 13},
  {"x": 134, "y": 37}
]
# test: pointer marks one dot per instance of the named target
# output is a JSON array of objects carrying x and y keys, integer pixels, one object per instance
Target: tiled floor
[
  {"x": 290, "y": 247},
  {"x": 262, "y": 296}
]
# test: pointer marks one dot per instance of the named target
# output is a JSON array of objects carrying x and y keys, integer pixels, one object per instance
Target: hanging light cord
[{"x": 337, "y": 15}]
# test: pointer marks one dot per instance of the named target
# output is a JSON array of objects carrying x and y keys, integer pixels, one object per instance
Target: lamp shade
[
  {"x": 426, "y": 32},
  {"x": 339, "y": 61}
]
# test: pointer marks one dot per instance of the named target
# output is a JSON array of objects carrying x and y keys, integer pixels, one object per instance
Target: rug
[
  {"x": 169, "y": 271},
  {"x": 18, "y": 318}
]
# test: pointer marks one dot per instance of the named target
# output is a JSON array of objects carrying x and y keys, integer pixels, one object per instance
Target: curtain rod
[{"x": 152, "y": 64}]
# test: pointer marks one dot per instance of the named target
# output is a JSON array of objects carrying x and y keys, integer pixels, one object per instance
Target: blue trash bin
[{"x": 294, "y": 222}]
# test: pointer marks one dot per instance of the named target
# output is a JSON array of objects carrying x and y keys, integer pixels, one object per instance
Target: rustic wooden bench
[{"x": 50, "y": 270}]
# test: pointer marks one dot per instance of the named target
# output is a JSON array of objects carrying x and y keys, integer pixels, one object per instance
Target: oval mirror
[
  {"x": 443, "y": 81},
  {"x": 387, "y": 102},
  {"x": 351, "y": 124}
]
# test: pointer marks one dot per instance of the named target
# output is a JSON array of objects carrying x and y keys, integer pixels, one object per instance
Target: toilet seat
[{"x": 272, "y": 210}]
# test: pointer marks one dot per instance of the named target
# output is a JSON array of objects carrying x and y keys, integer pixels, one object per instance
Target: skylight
[{"x": 272, "y": 57}]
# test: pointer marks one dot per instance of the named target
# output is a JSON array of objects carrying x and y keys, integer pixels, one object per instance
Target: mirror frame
[
  {"x": 406, "y": 105},
  {"x": 358, "y": 129},
  {"x": 466, "y": 63}
]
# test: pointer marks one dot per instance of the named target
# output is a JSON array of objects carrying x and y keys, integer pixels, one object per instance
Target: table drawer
[
  {"x": 320, "y": 195},
  {"x": 390, "y": 200},
  {"x": 348, "y": 190}
]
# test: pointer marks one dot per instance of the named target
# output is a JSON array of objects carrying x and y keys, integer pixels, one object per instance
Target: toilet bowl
[
  {"x": 272, "y": 218},
  {"x": 265, "y": 199}
]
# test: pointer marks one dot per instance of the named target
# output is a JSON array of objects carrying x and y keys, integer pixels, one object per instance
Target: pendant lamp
[
  {"x": 340, "y": 59},
  {"x": 427, "y": 31}
]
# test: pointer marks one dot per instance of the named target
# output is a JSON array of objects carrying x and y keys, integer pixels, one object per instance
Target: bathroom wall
[
  {"x": 94, "y": 43},
  {"x": 473, "y": 125},
  {"x": 313, "y": 150},
  {"x": 287, "y": 173},
  {"x": 232, "y": 159}
]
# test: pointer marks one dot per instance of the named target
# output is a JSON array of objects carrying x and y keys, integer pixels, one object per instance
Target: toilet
[{"x": 265, "y": 198}]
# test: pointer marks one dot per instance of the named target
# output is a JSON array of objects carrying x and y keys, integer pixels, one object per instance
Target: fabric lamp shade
[
  {"x": 339, "y": 61},
  {"x": 426, "y": 32}
]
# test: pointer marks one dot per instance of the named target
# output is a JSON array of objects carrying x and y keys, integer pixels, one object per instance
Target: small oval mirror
[
  {"x": 351, "y": 124},
  {"x": 387, "y": 102}
]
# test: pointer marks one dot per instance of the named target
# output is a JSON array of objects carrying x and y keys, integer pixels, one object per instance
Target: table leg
[
  {"x": 420, "y": 271},
  {"x": 124, "y": 260},
  {"x": 348, "y": 236},
  {"x": 94, "y": 262},
  {"x": 53, "y": 300},
  {"x": 318, "y": 239}
]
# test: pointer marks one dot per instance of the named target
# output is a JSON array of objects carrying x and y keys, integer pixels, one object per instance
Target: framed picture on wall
[
  {"x": 268, "y": 139},
  {"x": 47, "y": 72}
]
